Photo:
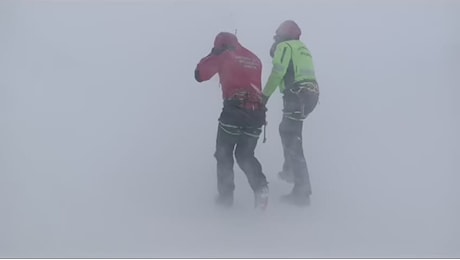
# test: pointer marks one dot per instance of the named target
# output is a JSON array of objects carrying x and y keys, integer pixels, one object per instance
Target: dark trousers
[
  {"x": 237, "y": 134},
  {"x": 296, "y": 109}
]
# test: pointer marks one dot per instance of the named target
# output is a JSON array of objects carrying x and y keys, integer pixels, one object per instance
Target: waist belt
[
  {"x": 246, "y": 104},
  {"x": 244, "y": 100},
  {"x": 304, "y": 86}
]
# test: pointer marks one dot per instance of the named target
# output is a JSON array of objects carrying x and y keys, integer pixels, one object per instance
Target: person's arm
[
  {"x": 208, "y": 66},
  {"x": 281, "y": 60}
]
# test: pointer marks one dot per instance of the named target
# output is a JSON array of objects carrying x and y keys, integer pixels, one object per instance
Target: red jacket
[{"x": 239, "y": 69}]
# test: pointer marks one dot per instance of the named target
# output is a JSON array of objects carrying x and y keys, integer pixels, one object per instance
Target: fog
[{"x": 107, "y": 141}]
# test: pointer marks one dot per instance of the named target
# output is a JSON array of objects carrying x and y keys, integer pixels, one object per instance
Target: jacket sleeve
[
  {"x": 207, "y": 68},
  {"x": 281, "y": 61}
]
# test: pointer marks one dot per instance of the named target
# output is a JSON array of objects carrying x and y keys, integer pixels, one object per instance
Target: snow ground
[{"x": 106, "y": 141}]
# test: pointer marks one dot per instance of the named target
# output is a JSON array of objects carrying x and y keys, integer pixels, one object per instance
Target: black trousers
[
  {"x": 237, "y": 136},
  {"x": 295, "y": 109}
]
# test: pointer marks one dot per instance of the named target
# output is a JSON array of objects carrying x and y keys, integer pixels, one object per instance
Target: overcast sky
[{"x": 107, "y": 142}]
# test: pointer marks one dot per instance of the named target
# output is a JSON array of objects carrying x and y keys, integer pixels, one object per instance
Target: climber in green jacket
[{"x": 294, "y": 73}]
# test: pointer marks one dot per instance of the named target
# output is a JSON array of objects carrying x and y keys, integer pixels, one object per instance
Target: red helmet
[
  {"x": 288, "y": 30},
  {"x": 225, "y": 40}
]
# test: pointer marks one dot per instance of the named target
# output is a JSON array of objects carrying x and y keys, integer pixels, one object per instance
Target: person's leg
[
  {"x": 245, "y": 157},
  {"x": 291, "y": 136},
  {"x": 225, "y": 144},
  {"x": 297, "y": 106},
  {"x": 291, "y": 132},
  {"x": 291, "y": 111},
  {"x": 286, "y": 173}
]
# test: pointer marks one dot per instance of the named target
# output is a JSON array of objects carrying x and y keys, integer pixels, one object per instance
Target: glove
[{"x": 264, "y": 99}]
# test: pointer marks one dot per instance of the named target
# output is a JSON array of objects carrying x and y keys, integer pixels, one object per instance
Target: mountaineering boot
[
  {"x": 224, "y": 200},
  {"x": 299, "y": 197}
]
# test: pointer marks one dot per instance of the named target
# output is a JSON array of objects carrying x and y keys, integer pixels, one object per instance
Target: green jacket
[{"x": 292, "y": 63}]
